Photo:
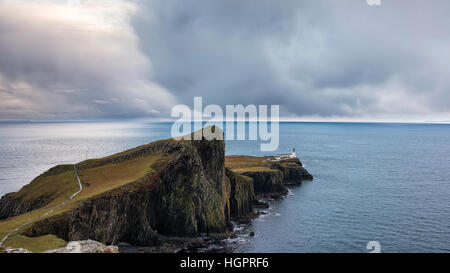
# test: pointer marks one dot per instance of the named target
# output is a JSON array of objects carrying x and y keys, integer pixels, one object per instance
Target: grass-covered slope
[{"x": 241, "y": 164}]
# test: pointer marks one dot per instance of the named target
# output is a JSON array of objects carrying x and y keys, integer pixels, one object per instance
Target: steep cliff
[
  {"x": 242, "y": 196},
  {"x": 292, "y": 170},
  {"x": 11, "y": 205},
  {"x": 267, "y": 183}
]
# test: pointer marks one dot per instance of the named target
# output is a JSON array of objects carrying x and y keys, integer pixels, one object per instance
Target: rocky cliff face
[
  {"x": 267, "y": 183},
  {"x": 11, "y": 206},
  {"x": 292, "y": 171},
  {"x": 126, "y": 214},
  {"x": 242, "y": 196}
]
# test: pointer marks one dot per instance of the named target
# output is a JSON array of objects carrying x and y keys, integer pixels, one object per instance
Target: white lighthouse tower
[{"x": 294, "y": 154}]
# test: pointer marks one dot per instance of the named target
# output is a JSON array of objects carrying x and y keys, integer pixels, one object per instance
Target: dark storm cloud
[
  {"x": 326, "y": 58},
  {"x": 137, "y": 58}
]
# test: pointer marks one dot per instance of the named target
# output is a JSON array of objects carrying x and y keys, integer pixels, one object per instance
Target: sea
[{"x": 378, "y": 186}]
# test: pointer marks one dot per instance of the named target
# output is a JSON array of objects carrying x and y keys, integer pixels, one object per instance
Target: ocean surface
[{"x": 388, "y": 183}]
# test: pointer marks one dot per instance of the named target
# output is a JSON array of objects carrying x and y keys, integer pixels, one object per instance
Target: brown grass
[
  {"x": 253, "y": 169},
  {"x": 239, "y": 161}
]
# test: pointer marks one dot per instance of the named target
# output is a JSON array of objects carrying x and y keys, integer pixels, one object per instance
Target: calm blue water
[{"x": 373, "y": 182}]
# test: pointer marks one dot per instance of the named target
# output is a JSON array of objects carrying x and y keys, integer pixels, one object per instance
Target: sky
[{"x": 317, "y": 59}]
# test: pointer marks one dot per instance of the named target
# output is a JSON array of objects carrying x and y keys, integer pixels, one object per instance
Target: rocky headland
[
  {"x": 270, "y": 175},
  {"x": 162, "y": 195}
]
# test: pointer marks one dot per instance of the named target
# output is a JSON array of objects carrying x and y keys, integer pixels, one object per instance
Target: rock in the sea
[
  {"x": 252, "y": 234},
  {"x": 87, "y": 246},
  {"x": 260, "y": 204}
]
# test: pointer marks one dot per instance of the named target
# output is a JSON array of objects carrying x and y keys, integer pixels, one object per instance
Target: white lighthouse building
[
  {"x": 285, "y": 156},
  {"x": 294, "y": 154}
]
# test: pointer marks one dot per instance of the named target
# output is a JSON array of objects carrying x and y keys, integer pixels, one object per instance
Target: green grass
[
  {"x": 241, "y": 164},
  {"x": 107, "y": 177},
  {"x": 49, "y": 187},
  {"x": 37, "y": 244},
  {"x": 253, "y": 169},
  {"x": 62, "y": 184},
  {"x": 239, "y": 161}
]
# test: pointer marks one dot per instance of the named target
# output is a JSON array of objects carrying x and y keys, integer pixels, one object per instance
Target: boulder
[{"x": 87, "y": 246}]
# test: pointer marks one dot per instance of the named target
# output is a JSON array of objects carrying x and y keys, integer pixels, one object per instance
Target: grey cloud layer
[
  {"x": 314, "y": 58},
  {"x": 327, "y": 58},
  {"x": 61, "y": 61}
]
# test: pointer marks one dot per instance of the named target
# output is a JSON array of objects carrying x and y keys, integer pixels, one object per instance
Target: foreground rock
[
  {"x": 13, "y": 250},
  {"x": 87, "y": 246}
]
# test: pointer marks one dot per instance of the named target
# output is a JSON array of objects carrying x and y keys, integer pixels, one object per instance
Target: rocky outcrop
[
  {"x": 270, "y": 174},
  {"x": 292, "y": 171},
  {"x": 11, "y": 206},
  {"x": 267, "y": 183},
  {"x": 87, "y": 246},
  {"x": 13, "y": 250},
  {"x": 242, "y": 196}
]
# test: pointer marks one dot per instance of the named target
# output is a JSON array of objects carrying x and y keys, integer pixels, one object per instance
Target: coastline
[{"x": 177, "y": 196}]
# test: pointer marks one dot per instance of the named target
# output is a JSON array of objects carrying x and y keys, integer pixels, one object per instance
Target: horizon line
[{"x": 174, "y": 120}]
